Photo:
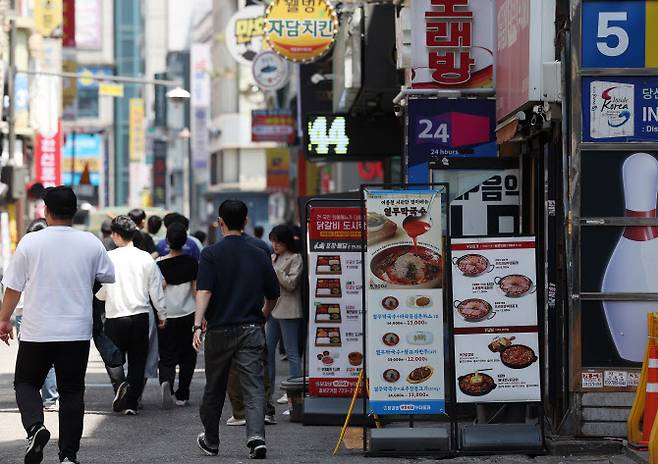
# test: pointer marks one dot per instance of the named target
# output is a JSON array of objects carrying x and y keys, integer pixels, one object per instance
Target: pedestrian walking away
[
  {"x": 49, "y": 393},
  {"x": 287, "y": 316},
  {"x": 175, "y": 340},
  {"x": 57, "y": 325},
  {"x": 127, "y": 309},
  {"x": 234, "y": 280}
]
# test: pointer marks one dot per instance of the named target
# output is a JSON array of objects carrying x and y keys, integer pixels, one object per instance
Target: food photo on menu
[
  {"x": 328, "y": 265},
  {"x": 327, "y": 313},
  {"x": 328, "y": 288},
  {"x": 499, "y": 366}
]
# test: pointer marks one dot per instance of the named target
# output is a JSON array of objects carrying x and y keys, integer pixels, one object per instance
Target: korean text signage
[
  {"x": 495, "y": 320},
  {"x": 68, "y": 23},
  {"x": 404, "y": 295},
  {"x": 449, "y": 128},
  {"x": 136, "y": 133},
  {"x": 301, "y": 31},
  {"x": 619, "y": 34},
  {"x": 455, "y": 48},
  {"x": 48, "y": 161},
  {"x": 244, "y": 34},
  {"x": 272, "y": 126},
  {"x": 620, "y": 109},
  {"x": 159, "y": 173},
  {"x": 335, "y": 348}
]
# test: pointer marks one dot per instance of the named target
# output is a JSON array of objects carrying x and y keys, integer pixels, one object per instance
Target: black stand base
[
  {"x": 496, "y": 438},
  {"x": 408, "y": 441}
]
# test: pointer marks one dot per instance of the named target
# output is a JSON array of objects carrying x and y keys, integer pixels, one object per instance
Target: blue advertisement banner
[
  {"x": 617, "y": 34},
  {"x": 87, "y": 155},
  {"x": 452, "y": 128},
  {"x": 620, "y": 109}
]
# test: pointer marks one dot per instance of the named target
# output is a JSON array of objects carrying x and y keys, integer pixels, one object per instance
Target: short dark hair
[
  {"x": 200, "y": 236},
  {"x": 259, "y": 231},
  {"x": 61, "y": 202},
  {"x": 171, "y": 218},
  {"x": 234, "y": 214},
  {"x": 284, "y": 235},
  {"x": 124, "y": 227},
  {"x": 176, "y": 236},
  {"x": 106, "y": 227},
  {"x": 137, "y": 215},
  {"x": 153, "y": 224}
]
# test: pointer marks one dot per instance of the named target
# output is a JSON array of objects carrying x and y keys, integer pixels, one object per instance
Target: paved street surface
[{"x": 169, "y": 436}]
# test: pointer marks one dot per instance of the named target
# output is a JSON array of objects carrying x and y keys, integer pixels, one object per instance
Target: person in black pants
[
  {"x": 237, "y": 289},
  {"x": 57, "y": 325},
  {"x": 127, "y": 307},
  {"x": 175, "y": 341}
]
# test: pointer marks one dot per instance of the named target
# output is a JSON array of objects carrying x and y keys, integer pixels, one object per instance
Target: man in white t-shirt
[
  {"x": 55, "y": 270},
  {"x": 127, "y": 308}
]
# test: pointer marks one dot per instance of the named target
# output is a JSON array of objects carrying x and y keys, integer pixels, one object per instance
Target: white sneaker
[
  {"x": 182, "y": 403},
  {"x": 270, "y": 420},
  {"x": 283, "y": 399},
  {"x": 286, "y": 412},
  {"x": 54, "y": 406},
  {"x": 236, "y": 422}
]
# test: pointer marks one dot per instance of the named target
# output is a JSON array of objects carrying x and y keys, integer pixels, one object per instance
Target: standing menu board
[
  {"x": 495, "y": 319},
  {"x": 335, "y": 347},
  {"x": 404, "y": 296}
]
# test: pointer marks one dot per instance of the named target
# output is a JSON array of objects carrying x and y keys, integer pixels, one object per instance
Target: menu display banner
[
  {"x": 335, "y": 348},
  {"x": 404, "y": 297},
  {"x": 495, "y": 319}
]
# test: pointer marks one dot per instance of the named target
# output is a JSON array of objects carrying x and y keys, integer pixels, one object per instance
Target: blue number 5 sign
[{"x": 615, "y": 34}]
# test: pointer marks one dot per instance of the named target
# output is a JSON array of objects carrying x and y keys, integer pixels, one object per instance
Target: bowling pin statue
[{"x": 633, "y": 266}]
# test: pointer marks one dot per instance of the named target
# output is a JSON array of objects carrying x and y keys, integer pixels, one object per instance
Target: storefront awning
[{"x": 507, "y": 130}]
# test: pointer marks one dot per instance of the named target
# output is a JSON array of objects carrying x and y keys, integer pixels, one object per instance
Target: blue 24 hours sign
[{"x": 620, "y": 109}]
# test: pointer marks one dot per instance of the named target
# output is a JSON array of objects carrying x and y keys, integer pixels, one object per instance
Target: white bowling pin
[{"x": 634, "y": 261}]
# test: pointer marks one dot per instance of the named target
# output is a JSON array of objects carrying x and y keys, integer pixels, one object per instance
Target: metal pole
[
  {"x": 11, "y": 119},
  {"x": 100, "y": 77}
]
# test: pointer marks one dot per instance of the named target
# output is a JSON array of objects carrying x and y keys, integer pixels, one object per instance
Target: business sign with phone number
[{"x": 620, "y": 34}]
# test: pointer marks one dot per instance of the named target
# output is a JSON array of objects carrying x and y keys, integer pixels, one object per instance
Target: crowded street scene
[{"x": 329, "y": 231}]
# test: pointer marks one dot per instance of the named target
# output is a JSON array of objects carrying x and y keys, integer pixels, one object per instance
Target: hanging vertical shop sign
[
  {"x": 136, "y": 129},
  {"x": 619, "y": 34},
  {"x": 159, "y": 173},
  {"x": 88, "y": 25},
  {"x": 449, "y": 128},
  {"x": 200, "y": 65},
  {"x": 620, "y": 109},
  {"x": 278, "y": 167},
  {"x": 47, "y": 157},
  {"x": 455, "y": 48},
  {"x": 48, "y": 17},
  {"x": 335, "y": 348},
  {"x": 21, "y": 101},
  {"x": 404, "y": 297},
  {"x": 301, "y": 32},
  {"x": 68, "y": 23},
  {"x": 244, "y": 34},
  {"x": 496, "y": 330},
  {"x": 86, "y": 151}
]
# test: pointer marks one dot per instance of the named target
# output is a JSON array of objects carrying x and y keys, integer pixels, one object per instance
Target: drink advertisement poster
[
  {"x": 620, "y": 109},
  {"x": 617, "y": 259},
  {"x": 404, "y": 296},
  {"x": 335, "y": 348},
  {"x": 495, "y": 320}
]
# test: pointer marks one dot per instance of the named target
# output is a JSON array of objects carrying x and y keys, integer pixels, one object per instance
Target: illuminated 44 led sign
[{"x": 343, "y": 137}]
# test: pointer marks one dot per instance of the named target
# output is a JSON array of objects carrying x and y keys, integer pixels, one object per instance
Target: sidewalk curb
[
  {"x": 575, "y": 447},
  {"x": 641, "y": 457}
]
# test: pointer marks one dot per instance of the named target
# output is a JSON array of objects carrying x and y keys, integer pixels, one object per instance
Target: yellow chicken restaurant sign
[{"x": 300, "y": 31}]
